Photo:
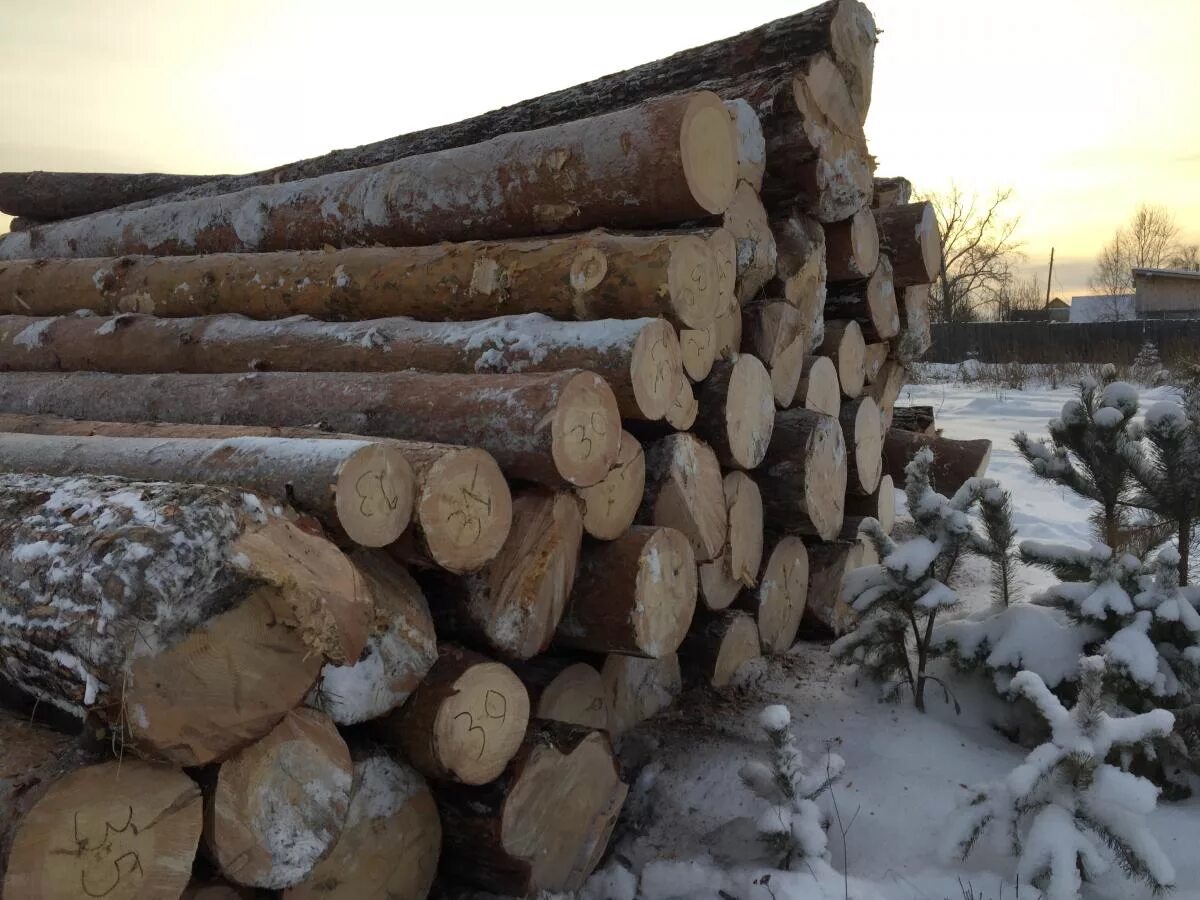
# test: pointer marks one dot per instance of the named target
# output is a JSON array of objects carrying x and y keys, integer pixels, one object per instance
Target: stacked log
[{"x": 425, "y": 470}]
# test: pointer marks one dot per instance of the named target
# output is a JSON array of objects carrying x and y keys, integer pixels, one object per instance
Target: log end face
[
  {"x": 374, "y": 495},
  {"x": 575, "y": 696},
  {"x": 684, "y": 408},
  {"x": 851, "y": 360},
  {"x": 739, "y": 645},
  {"x": 655, "y": 369},
  {"x": 610, "y": 506},
  {"x": 480, "y": 726},
  {"x": 586, "y": 435},
  {"x": 825, "y": 473},
  {"x": 885, "y": 511},
  {"x": 666, "y": 593},
  {"x": 698, "y": 349},
  {"x": 929, "y": 239},
  {"x": 864, "y": 241},
  {"x": 708, "y": 146},
  {"x": 464, "y": 509},
  {"x": 868, "y": 446},
  {"x": 692, "y": 281},
  {"x": 749, "y": 411},
  {"x": 823, "y": 391},
  {"x": 744, "y": 545}
]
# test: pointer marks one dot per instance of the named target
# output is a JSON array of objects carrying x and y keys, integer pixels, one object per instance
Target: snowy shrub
[
  {"x": 1065, "y": 813},
  {"x": 791, "y": 826},
  {"x": 1148, "y": 365}
]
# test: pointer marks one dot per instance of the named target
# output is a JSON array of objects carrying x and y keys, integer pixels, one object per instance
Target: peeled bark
[
  {"x": 277, "y": 807},
  {"x": 953, "y": 461},
  {"x": 610, "y": 505},
  {"x": 891, "y": 192},
  {"x": 864, "y": 441},
  {"x": 543, "y": 825},
  {"x": 844, "y": 344},
  {"x": 720, "y": 644},
  {"x": 668, "y": 160},
  {"x": 880, "y": 506},
  {"x": 737, "y": 411},
  {"x": 909, "y": 235},
  {"x": 639, "y": 688},
  {"x": 852, "y": 247},
  {"x": 818, "y": 388},
  {"x": 124, "y": 828},
  {"x": 826, "y": 612},
  {"x": 565, "y": 691},
  {"x": 634, "y": 595},
  {"x": 207, "y": 618},
  {"x": 465, "y": 720},
  {"x": 915, "y": 337},
  {"x": 47, "y": 196},
  {"x": 593, "y": 275},
  {"x": 550, "y": 428},
  {"x": 737, "y": 567},
  {"x": 513, "y": 605},
  {"x": 358, "y": 490},
  {"x": 751, "y": 145},
  {"x": 683, "y": 491},
  {"x": 803, "y": 478},
  {"x": 390, "y": 842},
  {"x": 463, "y": 507},
  {"x": 871, "y": 303},
  {"x": 778, "y": 602}
]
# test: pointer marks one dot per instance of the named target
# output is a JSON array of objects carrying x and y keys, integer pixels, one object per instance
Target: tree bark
[
  {"x": 47, "y": 196},
  {"x": 555, "y": 428},
  {"x": 801, "y": 269},
  {"x": 826, "y": 612},
  {"x": 639, "y": 688},
  {"x": 914, "y": 418},
  {"x": 565, "y": 690},
  {"x": 206, "y": 620},
  {"x": 463, "y": 508},
  {"x": 751, "y": 145},
  {"x": 778, "y": 603},
  {"x": 737, "y": 411},
  {"x": 513, "y": 605},
  {"x": 391, "y": 840},
  {"x": 852, "y": 247},
  {"x": 543, "y": 825},
  {"x": 611, "y": 505},
  {"x": 276, "y": 808},
  {"x": 360, "y": 491},
  {"x": 122, "y": 828},
  {"x": 464, "y": 722},
  {"x": 953, "y": 461},
  {"x": 634, "y": 595},
  {"x": 746, "y": 219},
  {"x": 719, "y": 644},
  {"x": 886, "y": 387},
  {"x": 803, "y": 478},
  {"x": 770, "y": 328},
  {"x": 871, "y": 303},
  {"x": 844, "y": 344},
  {"x": 683, "y": 491},
  {"x": 593, "y": 275},
  {"x": 891, "y": 192},
  {"x": 669, "y": 160},
  {"x": 864, "y": 437},
  {"x": 909, "y": 235},
  {"x": 915, "y": 336},
  {"x": 880, "y": 506}
]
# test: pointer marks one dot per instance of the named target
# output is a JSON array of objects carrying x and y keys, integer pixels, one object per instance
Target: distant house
[
  {"x": 1102, "y": 308},
  {"x": 1166, "y": 293},
  {"x": 1059, "y": 310},
  {"x": 1056, "y": 311}
]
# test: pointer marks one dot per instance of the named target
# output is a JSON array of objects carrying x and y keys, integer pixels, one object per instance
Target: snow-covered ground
[{"x": 905, "y": 772}]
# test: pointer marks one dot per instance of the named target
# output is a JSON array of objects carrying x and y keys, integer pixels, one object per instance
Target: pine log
[
  {"x": 874, "y": 357},
  {"x": 207, "y": 618},
  {"x": 723, "y": 578},
  {"x": 639, "y": 358},
  {"x": 777, "y": 604},
  {"x": 770, "y": 328},
  {"x": 909, "y": 235},
  {"x": 390, "y": 842},
  {"x": 800, "y": 268},
  {"x": 870, "y": 302},
  {"x": 565, "y": 690},
  {"x": 864, "y": 438},
  {"x": 891, "y": 192},
  {"x": 401, "y": 647},
  {"x": 463, "y": 508},
  {"x": 914, "y": 418},
  {"x": 880, "y": 506},
  {"x": 915, "y": 336},
  {"x": 852, "y": 247},
  {"x": 634, "y": 595},
  {"x": 751, "y": 145},
  {"x": 818, "y": 388},
  {"x": 543, "y": 825},
  {"x": 22, "y": 223},
  {"x": 551, "y": 428},
  {"x": 610, "y": 505},
  {"x": 639, "y": 688},
  {"x": 683, "y": 491},
  {"x": 48, "y": 196},
  {"x": 826, "y": 612},
  {"x": 787, "y": 372},
  {"x": 593, "y": 275},
  {"x": 886, "y": 387},
  {"x": 844, "y": 344},
  {"x": 953, "y": 461},
  {"x": 682, "y": 414},
  {"x": 359, "y": 490},
  {"x": 746, "y": 219},
  {"x": 719, "y": 644},
  {"x": 727, "y": 324},
  {"x": 464, "y": 722},
  {"x": 668, "y": 160},
  {"x": 803, "y": 479},
  {"x": 737, "y": 411},
  {"x": 698, "y": 347},
  {"x": 277, "y": 807},
  {"x": 513, "y": 605},
  {"x": 118, "y": 829}
]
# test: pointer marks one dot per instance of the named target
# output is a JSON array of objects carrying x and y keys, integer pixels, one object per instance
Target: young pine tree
[
  {"x": 998, "y": 543},
  {"x": 1065, "y": 813}
]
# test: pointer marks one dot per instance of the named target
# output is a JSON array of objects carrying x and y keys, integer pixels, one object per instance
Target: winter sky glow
[{"x": 1085, "y": 108}]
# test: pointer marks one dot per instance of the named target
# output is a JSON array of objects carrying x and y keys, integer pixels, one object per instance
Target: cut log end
[
  {"x": 465, "y": 510},
  {"x": 374, "y": 495},
  {"x": 655, "y": 369},
  {"x": 698, "y": 347},
  {"x": 783, "y": 589},
  {"x": 743, "y": 502},
  {"x": 665, "y": 592},
  {"x": 845, "y": 345},
  {"x": 819, "y": 386},
  {"x": 861, "y": 420},
  {"x": 576, "y": 696},
  {"x": 825, "y": 478},
  {"x": 708, "y": 146},
  {"x": 639, "y": 688},
  {"x": 682, "y": 414},
  {"x": 719, "y": 646},
  {"x": 692, "y": 281},
  {"x": 683, "y": 491},
  {"x": 749, "y": 411},
  {"x": 586, "y": 430},
  {"x": 610, "y": 506}
]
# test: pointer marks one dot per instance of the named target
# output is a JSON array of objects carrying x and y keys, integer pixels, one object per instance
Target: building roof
[
  {"x": 1102, "y": 308},
  {"x": 1059, "y": 303},
  {"x": 1165, "y": 273}
]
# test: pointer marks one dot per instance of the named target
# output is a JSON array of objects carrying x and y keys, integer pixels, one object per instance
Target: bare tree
[
  {"x": 1187, "y": 256},
  {"x": 1148, "y": 241},
  {"x": 1018, "y": 296},
  {"x": 980, "y": 251}
]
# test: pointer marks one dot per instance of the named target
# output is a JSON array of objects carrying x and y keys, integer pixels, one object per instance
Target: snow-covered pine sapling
[
  {"x": 792, "y": 825},
  {"x": 901, "y": 597},
  {"x": 1148, "y": 365},
  {"x": 1065, "y": 813},
  {"x": 998, "y": 542},
  {"x": 1085, "y": 451},
  {"x": 1163, "y": 456}
]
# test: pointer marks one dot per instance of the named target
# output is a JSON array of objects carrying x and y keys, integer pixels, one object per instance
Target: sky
[{"x": 1085, "y": 109}]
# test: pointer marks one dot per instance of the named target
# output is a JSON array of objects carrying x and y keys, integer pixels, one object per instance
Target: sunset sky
[{"x": 1085, "y": 108}]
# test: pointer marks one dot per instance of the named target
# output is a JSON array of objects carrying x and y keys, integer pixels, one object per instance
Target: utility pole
[{"x": 1049, "y": 275}]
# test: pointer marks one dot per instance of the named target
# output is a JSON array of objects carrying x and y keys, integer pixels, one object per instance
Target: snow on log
[
  {"x": 870, "y": 302},
  {"x": 909, "y": 235},
  {"x": 751, "y": 145},
  {"x": 390, "y": 842},
  {"x": 401, "y": 647},
  {"x": 718, "y": 645},
  {"x": 914, "y": 418},
  {"x": 778, "y": 602},
  {"x": 611, "y": 504},
  {"x": 639, "y": 688},
  {"x": 208, "y": 617},
  {"x": 464, "y": 722},
  {"x": 953, "y": 461},
  {"x": 803, "y": 478},
  {"x": 826, "y": 611},
  {"x": 864, "y": 441},
  {"x": 552, "y": 428},
  {"x": 564, "y": 690},
  {"x": 513, "y": 605},
  {"x": 915, "y": 336},
  {"x": 746, "y": 219},
  {"x": 723, "y": 578},
  {"x": 737, "y": 411},
  {"x": 852, "y": 247},
  {"x": 48, "y": 196},
  {"x": 844, "y": 344},
  {"x": 683, "y": 491},
  {"x": 592, "y": 275},
  {"x": 634, "y": 595},
  {"x": 800, "y": 267},
  {"x": 668, "y": 160},
  {"x": 879, "y": 505},
  {"x": 124, "y": 828},
  {"x": 543, "y": 825},
  {"x": 276, "y": 807},
  {"x": 359, "y": 490},
  {"x": 891, "y": 192},
  {"x": 818, "y": 388},
  {"x": 463, "y": 507}
]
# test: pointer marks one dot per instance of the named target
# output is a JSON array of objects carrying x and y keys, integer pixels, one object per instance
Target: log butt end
[
  {"x": 655, "y": 369},
  {"x": 666, "y": 592},
  {"x": 610, "y": 506},
  {"x": 708, "y": 146},
  {"x": 480, "y": 726},
  {"x": 825, "y": 475},
  {"x": 465, "y": 510},
  {"x": 374, "y": 495},
  {"x": 586, "y": 434}
]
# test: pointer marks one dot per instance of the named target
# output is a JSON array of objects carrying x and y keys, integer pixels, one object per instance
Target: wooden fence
[{"x": 1177, "y": 340}]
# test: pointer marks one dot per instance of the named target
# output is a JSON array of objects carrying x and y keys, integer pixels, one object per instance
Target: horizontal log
[
  {"x": 827, "y": 611},
  {"x": 801, "y": 269},
  {"x": 778, "y": 602},
  {"x": 852, "y": 247},
  {"x": 818, "y": 388},
  {"x": 565, "y": 690},
  {"x": 639, "y": 688},
  {"x": 914, "y": 418},
  {"x": 803, "y": 478},
  {"x": 610, "y": 505},
  {"x": 954, "y": 461},
  {"x": 683, "y": 491},
  {"x": 864, "y": 439},
  {"x": 736, "y": 411},
  {"x": 891, "y": 192},
  {"x": 47, "y": 196},
  {"x": 871, "y": 302},
  {"x": 879, "y": 505},
  {"x": 718, "y": 646},
  {"x": 915, "y": 336},
  {"x": 843, "y": 343},
  {"x": 910, "y": 236}
]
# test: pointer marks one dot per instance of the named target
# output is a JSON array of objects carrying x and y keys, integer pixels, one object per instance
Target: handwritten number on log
[
  {"x": 495, "y": 706},
  {"x": 126, "y": 864},
  {"x": 370, "y": 486}
]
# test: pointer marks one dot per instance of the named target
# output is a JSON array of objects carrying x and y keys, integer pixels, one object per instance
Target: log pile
[{"x": 383, "y": 491}]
